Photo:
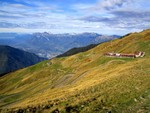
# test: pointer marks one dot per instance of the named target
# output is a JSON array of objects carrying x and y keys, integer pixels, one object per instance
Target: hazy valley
[{"x": 49, "y": 45}]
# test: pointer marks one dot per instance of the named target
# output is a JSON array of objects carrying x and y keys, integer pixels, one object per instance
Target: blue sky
[{"x": 74, "y": 16}]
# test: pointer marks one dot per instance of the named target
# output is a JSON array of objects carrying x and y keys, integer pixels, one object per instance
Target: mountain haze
[
  {"x": 50, "y": 45},
  {"x": 87, "y": 82}
]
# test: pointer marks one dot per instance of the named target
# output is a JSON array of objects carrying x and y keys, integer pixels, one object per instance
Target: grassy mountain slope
[
  {"x": 86, "y": 82},
  {"x": 12, "y": 59}
]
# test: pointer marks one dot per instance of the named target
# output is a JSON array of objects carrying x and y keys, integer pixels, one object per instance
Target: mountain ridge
[
  {"x": 77, "y": 50},
  {"x": 13, "y": 59}
]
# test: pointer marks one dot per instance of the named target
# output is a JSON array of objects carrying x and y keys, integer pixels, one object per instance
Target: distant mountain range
[
  {"x": 50, "y": 45},
  {"x": 12, "y": 59}
]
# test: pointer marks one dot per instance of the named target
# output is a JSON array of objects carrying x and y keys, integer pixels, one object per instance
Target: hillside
[
  {"x": 85, "y": 82},
  {"x": 49, "y": 45},
  {"x": 12, "y": 59},
  {"x": 77, "y": 50}
]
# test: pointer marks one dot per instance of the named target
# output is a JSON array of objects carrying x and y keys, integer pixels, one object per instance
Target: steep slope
[
  {"x": 85, "y": 82},
  {"x": 12, "y": 59}
]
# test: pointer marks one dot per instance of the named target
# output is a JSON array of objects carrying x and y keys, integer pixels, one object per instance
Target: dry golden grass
[{"x": 85, "y": 82}]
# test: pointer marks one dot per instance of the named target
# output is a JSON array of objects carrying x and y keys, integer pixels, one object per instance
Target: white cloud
[
  {"x": 111, "y": 4},
  {"x": 104, "y": 15}
]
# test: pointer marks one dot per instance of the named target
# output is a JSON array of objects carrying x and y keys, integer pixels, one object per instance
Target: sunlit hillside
[{"x": 87, "y": 82}]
